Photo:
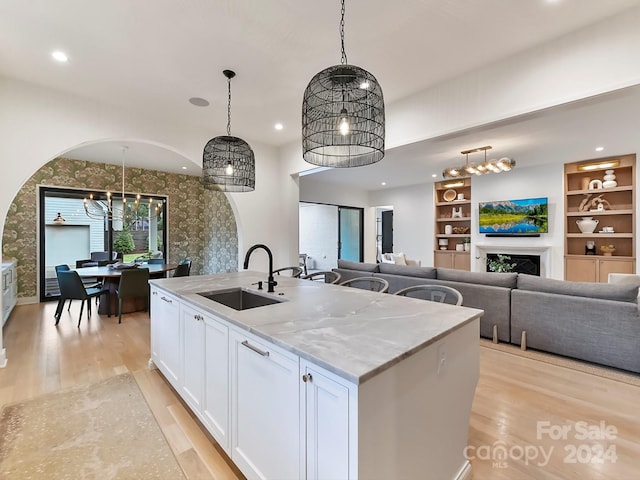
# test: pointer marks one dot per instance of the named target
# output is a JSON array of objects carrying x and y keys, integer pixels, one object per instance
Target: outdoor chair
[
  {"x": 433, "y": 293},
  {"x": 326, "y": 276},
  {"x": 294, "y": 272},
  {"x": 375, "y": 284}
]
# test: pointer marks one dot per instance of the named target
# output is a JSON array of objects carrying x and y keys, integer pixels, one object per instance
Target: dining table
[{"x": 111, "y": 279}]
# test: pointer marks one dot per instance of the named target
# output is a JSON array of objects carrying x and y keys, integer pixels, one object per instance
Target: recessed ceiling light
[
  {"x": 599, "y": 149},
  {"x": 278, "y": 126},
  {"x": 183, "y": 168},
  {"x": 383, "y": 183},
  {"x": 434, "y": 175},
  {"x": 60, "y": 56},
  {"x": 199, "y": 102}
]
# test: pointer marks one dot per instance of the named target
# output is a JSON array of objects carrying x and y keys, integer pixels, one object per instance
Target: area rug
[
  {"x": 586, "y": 367},
  {"x": 100, "y": 431}
]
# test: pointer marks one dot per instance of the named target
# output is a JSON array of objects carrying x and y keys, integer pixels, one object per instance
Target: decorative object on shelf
[
  {"x": 449, "y": 195},
  {"x": 59, "y": 219},
  {"x": 456, "y": 212},
  {"x": 460, "y": 197},
  {"x": 609, "y": 179},
  {"x": 487, "y": 166},
  {"x": 467, "y": 244},
  {"x": 443, "y": 243},
  {"x": 584, "y": 183},
  {"x": 607, "y": 230},
  {"x": 598, "y": 204},
  {"x": 590, "y": 248},
  {"x": 460, "y": 229},
  {"x": 607, "y": 250},
  {"x": 587, "y": 224},
  {"x": 459, "y": 247},
  {"x": 448, "y": 229},
  {"x": 228, "y": 163},
  {"x": 109, "y": 210},
  {"x": 343, "y": 119},
  {"x": 595, "y": 184}
]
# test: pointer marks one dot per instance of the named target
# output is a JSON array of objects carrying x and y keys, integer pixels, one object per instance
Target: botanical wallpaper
[{"x": 201, "y": 223}]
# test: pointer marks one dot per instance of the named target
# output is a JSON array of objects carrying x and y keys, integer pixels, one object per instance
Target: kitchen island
[{"x": 329, "y": 382}]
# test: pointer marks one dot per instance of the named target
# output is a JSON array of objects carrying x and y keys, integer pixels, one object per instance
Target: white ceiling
[{"x": 153, "y": 55}]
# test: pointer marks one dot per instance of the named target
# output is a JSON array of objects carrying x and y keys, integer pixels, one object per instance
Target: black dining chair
[
  {"x": 72, "y": 288},
  {"x": 184, "y": 269},
  {"x": 133, "y": 283}
]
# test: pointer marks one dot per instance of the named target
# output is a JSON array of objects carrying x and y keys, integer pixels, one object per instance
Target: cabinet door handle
[
  {"x": 166, "y": 299},
  {"x": 155, "y": 293},
  {"x": 198, "y": 317},
  {"x": 307, "y": 378},
  {"x": 255, "y": 349}
]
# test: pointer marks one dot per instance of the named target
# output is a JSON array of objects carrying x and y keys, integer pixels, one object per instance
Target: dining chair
[
  {"x": 302, "y": 262},
  {"x": 184, "y": 269},
  {"x": 326, "y": 276},
  {"x": 294, "y": 272},
  {"x": 433, "y": 293},
  {"x": 133, "y": 283},
  {"x": 63, "y": 268},
  {"x": 71, "y": 287},
  {"x": 375, "y": 284},
  {"x": 156, "y": 261}
]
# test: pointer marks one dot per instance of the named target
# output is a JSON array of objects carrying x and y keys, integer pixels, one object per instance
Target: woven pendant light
[
  {"x": 228, "y": 163},
  {"x": 343, "y": 116}
]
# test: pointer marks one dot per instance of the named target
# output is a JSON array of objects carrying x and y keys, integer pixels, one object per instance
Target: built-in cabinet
[
  {"x": 9, "y": 288},
  {"x": 274, "y": 414},
  {"x": 589, "y": 194},
  {"x": 452, "y": 199}
]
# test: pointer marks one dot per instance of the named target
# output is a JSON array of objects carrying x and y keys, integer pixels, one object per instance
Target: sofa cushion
[
  {"x": 507, "y": 280},
  {"x": 409, "y": 271},
  {"x": 605, "y": 291},
  {"x": 364, "y": 267}
]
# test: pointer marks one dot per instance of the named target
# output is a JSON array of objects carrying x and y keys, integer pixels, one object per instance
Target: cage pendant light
[
  {"x": 343, "y": 115},
  {"x": 228, "y": 163}
]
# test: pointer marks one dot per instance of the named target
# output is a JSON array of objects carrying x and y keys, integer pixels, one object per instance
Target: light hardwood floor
[{"x": 513, "y": 397}]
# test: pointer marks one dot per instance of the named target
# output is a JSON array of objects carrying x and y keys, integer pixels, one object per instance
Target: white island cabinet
[
  {"x": 329, "y": 383},
  {"x": 165, "y": 334},
  {"x": 264, "y": 408}
]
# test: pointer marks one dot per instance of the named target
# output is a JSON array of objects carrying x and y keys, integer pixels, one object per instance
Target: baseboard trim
[{"x": 27, "y": 300}]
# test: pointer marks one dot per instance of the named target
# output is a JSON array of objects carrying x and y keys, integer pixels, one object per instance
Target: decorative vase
[
  {"x": 467, "y": 247},
  {"x": 609, "y": 180},
  {"x": 587, "y": 224},
  {"x": 448, "y": 229}
]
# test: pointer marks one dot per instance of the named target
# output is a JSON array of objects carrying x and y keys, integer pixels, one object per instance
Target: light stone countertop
[{"x": 352, "y": 332}]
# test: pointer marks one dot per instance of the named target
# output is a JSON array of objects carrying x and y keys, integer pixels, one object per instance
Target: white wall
[
  {"x": 412, "y": 219},
  {"x": 319, "y": 234},
  {"x": 523, "y": 183},
  {"x": 40, "y": 124}
]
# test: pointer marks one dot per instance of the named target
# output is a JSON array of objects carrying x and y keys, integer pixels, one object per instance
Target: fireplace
[
  {"x": 542, "y": 251},
  {"x": 529, "y": 264}
]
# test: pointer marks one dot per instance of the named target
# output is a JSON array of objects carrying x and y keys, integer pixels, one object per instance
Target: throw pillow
[{"x": 399, "y": 259}]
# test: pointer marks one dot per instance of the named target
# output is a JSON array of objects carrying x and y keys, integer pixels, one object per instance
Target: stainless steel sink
[{"x": 239, "y": 298}]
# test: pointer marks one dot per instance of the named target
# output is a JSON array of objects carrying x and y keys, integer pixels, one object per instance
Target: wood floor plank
[{"x": 513, "y": 395}]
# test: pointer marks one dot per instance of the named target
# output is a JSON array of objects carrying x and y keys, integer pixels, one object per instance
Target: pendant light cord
[
  {"x": 229, "y": 109},
  {"x": 343, "y": 59}
]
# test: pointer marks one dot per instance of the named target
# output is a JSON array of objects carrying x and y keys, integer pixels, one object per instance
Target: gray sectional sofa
[{"x": 594, "y": 322}]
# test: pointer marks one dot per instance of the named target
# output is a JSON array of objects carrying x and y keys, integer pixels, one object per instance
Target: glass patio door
[{"x": 350, "y": 234}]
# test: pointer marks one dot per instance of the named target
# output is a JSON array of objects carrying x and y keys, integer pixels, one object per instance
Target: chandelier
[
  {"x": 228, "y": 163},
  {"x": 119, "y": 210},
  {"x": 505, "y": 164},
  {"x": 343, "y": 115}
]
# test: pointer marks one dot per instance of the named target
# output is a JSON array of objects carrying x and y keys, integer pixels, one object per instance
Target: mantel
[{"x": 543, "y": 250}]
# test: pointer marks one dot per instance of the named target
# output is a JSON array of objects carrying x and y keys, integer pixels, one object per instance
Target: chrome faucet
[{"x": 270, "y": 281}]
